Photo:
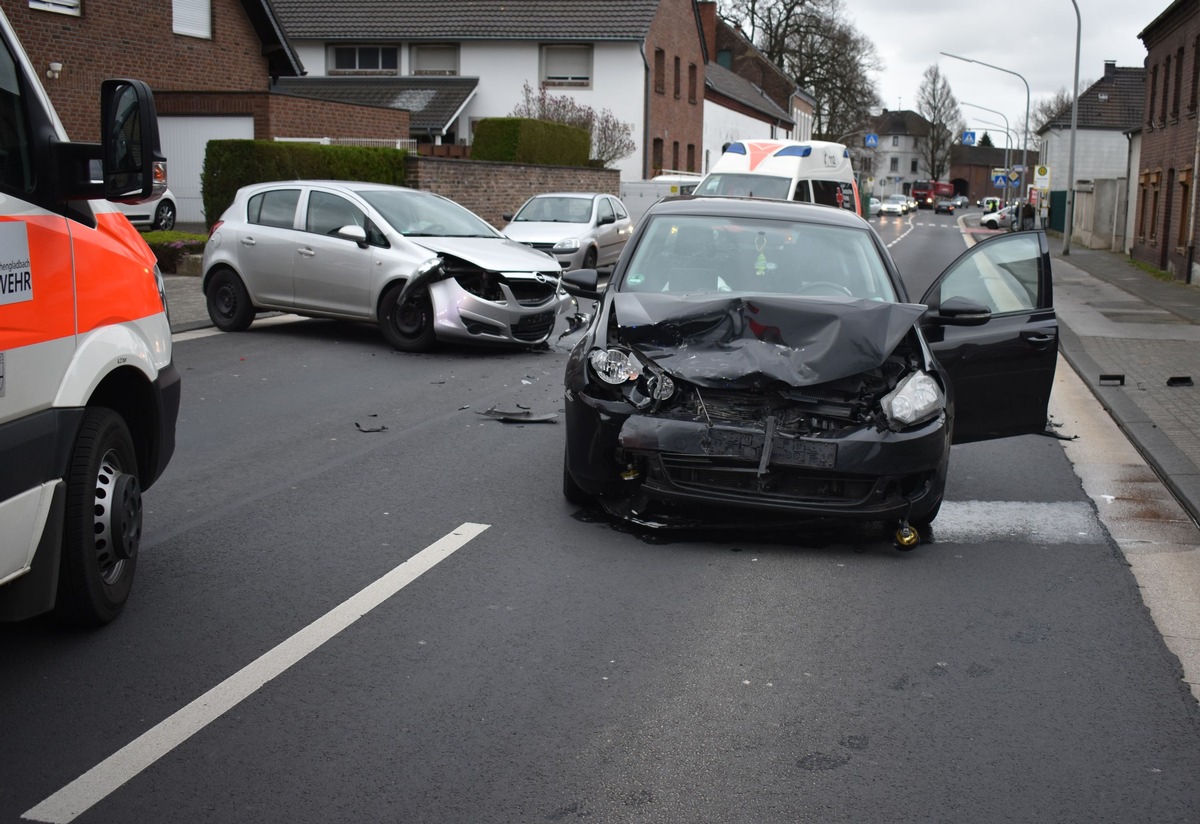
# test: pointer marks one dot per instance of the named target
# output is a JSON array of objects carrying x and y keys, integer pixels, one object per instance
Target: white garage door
[{"x": 183, "y": 142}]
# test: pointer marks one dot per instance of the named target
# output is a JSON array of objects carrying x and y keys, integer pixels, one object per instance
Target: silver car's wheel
[
  {"x": 408, "y": 326},
  {"x": 229, "y": 304},
  {"x": 103, "y": 521},
  {"x": 164, "y": 216}
]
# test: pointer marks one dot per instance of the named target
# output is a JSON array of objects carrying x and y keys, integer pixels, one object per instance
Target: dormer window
[{"x": 365, "y": 60}]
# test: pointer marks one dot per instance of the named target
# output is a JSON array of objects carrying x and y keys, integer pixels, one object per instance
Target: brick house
[
  {"x": 1164, "y": 224},
  {"x": 453, "y": 64},
  {"x": 209, "y": 62}
]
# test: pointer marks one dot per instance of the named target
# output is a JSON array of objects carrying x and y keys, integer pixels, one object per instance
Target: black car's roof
[{"x": 756, "y": 207}]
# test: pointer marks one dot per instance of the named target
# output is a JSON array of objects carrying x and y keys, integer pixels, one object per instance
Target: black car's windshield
[
  {"x": 724, "y": 255},
  {"x": 420, "y": 214},
  {"x": 551, "y": 209},
  {"x": 745, "y": 185}
]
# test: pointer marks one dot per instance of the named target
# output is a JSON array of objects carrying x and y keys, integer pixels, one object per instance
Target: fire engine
[
  {"x": 927, "y": 192},
  {"x": 89, "y": 393}
]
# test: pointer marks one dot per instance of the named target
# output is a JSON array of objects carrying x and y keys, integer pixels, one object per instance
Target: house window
[
  {"x": 1178, "y": 83},
  {"x": 913, "y": 167},
  {"x": 678, "y": 79},
  {"x": 656, "y": 156},
  {"x": 1195, "y": 73},
  {"x": 72, "y": 7},
  {"x": 895, "y": 164},
  {"x": 660, "y": 71},
  {"x": 692, "y": 83},
  {"x": 1185, "y": 189},
  {"x": 675, "y": 155},
  {"x": 434, "y": 59},
  {"x": 896, "y": 141},
  {"x": 1141, "y": 228},
  {"x": 1153, "y": 208},
  {"x": 192, "y": 18},
  {"x": 1165, "y": 86},
  {"x": 1150, "y": 97},
  {"x": 566, "y": 65},
  {"x": 691, "y": 157},
  {"x": 364, "y": 59}
]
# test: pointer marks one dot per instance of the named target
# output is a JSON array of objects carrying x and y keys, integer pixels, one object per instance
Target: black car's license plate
[{"x": 784, "y": 451}]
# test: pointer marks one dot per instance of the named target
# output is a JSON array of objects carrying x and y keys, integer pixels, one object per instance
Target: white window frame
[
  {"x": 562, "y": 64},
  {"x": 442, "y": 56},
  {"x": 71, "y": 7},
  {"x": 192, "y": 18}
]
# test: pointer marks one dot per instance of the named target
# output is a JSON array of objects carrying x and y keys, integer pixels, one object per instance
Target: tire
[
  {"x": 228, "y": 302},
  {"x": 589, "y": 259},
  {"x": 164, "y": 216},
  {"x": 103, "y": 522},
  {"x": 408, "y": 328},
  {"x": 571, "y": 490}
]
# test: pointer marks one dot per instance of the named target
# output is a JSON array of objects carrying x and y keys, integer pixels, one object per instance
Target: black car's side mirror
[
  {"x": 960, "y": 311},
  {"x": 582, "y": 283}
]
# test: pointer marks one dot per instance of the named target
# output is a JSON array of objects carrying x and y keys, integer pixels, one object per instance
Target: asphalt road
[{"x": 360, "y": 599}]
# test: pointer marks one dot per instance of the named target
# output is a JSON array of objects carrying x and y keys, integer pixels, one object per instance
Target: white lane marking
[{"x": 107, "y": 776}]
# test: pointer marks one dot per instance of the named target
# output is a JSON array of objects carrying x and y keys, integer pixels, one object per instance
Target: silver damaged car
[{"x": 421, "y": 266}]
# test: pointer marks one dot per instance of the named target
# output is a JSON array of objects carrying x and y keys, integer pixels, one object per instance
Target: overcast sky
[{"x": 910, "y": 35}]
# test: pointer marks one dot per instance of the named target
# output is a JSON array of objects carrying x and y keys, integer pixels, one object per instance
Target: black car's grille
[
  {"x": 786, "y": 484},
  {"x": 533, "y": 327},
  {"x": 825, "y": 407}
]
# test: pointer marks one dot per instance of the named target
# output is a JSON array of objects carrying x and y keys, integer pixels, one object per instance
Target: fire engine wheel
[
  {"x": 229, "y": 303},
  {"x": 407, "y": 327},
  {"x": 103, "y": 521}
]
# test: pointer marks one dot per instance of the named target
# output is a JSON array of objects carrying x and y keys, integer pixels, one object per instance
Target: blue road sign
[
  {"x": 968, "y": 138},
  {"x": 1000, "y": 181},
  {"x": 871, "y": 140}
]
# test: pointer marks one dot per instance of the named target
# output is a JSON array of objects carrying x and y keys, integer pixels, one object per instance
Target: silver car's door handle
[
  {"x": 306, "y": 251},
  {"x": 248, "y": 241}
]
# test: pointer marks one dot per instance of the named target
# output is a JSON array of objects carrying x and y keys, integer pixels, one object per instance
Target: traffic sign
[
  {"x": 1000, "y": 181},
  {"x": 1014, "y": 176},
  {"x": 871, "y": 140},
  {"x": 968, "y": 138},
  {"x": 1041, "y": 177}
]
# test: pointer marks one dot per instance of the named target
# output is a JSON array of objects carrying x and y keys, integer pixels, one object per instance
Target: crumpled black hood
[{"x": 758, "y": 339}]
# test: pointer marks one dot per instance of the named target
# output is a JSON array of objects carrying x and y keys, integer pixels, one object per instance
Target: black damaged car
[{"x": 754, "y": 359}]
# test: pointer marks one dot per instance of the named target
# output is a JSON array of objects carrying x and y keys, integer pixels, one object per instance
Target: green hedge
[
  {"x": 522, "y": 140},
  {"x": 231, "y": 164}
]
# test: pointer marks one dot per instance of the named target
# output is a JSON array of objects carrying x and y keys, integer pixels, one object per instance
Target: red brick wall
[
  {"x": 675, "y": 121},
  {"x": 492, "y": 190},
  {"x": 279, "y": 115},
  {"x": 1168, "y": 149},
  {"x": 123, "y": 39}
]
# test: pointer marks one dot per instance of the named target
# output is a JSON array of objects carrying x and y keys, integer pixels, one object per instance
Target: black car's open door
[{"x": 991, "y": 325}]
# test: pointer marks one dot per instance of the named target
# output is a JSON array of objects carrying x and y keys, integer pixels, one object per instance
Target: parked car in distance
[
  {"x": 751, "y": 360},
  {"x": 421, "y": 266},
  {"x": 158, "y": 214},
  {"x": 873, "y": 206},
  {"x": 894, "y": 205},
  {"x": 943, "y": 205},
  {"x": 584, "y": 230},
  {"x": 1003, "y": 219}
]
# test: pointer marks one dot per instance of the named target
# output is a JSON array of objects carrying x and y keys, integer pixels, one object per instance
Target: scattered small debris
[
  {"x": 362, "y": 428},
  {"x": 520, "y": 416},
  {"x": 1180, "y": 380},
  {"x": 1112, "y": 380}
]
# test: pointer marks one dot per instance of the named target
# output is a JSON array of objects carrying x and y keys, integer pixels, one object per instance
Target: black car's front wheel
[{"x": 408, "y": 326}]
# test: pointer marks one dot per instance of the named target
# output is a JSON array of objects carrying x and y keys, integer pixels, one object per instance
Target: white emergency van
[
  {"x": 812, "y": 171},
  {"x": 88, "y": 391}
]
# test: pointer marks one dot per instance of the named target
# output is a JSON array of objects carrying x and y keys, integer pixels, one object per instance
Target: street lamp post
[
  {"x": 1066, "y": 250},
  {"x": 1025, "y": 146}
]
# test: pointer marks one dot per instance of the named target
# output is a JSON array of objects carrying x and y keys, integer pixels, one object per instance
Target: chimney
[
  {"x": 708, "y": 23},
  {"x": 1110, "y": 69}
]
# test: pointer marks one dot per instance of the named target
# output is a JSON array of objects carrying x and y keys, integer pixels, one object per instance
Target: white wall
[
  {"x": 722, "y": 125},
  {"x": 1098, "y": 154}
]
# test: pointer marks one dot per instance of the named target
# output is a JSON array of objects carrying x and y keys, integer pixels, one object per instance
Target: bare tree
[
  {"x": 937, "y": 104},
  {"x": 813, "y": 43},
  {"x": 612, "y": 139}
]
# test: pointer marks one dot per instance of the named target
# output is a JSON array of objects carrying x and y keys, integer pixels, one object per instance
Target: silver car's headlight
[
  {"x": 613, "y": 366},
  {"x": 915, "y": 399},
  {"x": 570, "y": 244}
]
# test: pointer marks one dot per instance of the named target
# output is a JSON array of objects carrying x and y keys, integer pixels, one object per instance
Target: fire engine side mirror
[{"x": 134, "y": 168}]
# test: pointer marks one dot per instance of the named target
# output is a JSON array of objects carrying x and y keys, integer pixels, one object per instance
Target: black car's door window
[{"x": 994, "y": 331}]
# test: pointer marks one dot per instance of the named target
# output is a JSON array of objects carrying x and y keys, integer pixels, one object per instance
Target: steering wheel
[{"x": 826, "y": 288}]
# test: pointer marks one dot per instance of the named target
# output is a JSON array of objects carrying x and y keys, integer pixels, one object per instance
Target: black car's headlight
[
  {"x": 916, "y": 399},
  {"x": 641, "y": 385}
]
